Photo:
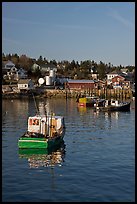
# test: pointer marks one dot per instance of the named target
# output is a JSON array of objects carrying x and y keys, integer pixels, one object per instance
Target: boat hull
[
  {"x": 38, "y": 151},
  {"x": 32, "y": 142},
  {"x": 39, "y": 143},
  {"x": 123, "y": 107},
  {"x": 86, "y": 104},
  {"x": 90, "y": 102}
]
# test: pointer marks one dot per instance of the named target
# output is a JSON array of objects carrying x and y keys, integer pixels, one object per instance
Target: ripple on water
[{"x": 98, "y": 164}]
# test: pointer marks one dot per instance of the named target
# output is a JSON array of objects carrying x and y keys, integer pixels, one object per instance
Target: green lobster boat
[{"x": 44, "y": 131}]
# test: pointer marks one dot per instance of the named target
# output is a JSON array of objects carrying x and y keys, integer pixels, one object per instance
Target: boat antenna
[{"x": 35, "y": 104}]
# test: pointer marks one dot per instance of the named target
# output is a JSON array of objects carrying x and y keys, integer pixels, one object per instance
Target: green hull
[
  {"x": 38, "y": 143},
  {"x": 32, "y": 151},
  {"x": 41, "y": 151}
]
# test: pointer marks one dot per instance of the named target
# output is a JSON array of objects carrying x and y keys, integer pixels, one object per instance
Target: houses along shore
[{"x": 116, "y": 85}]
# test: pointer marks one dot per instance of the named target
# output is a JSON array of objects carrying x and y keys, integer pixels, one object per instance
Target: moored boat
[
  {"x": 114, "y": 105},
  {"x": 44, "y": 131},
  {"x": 90, "y": 101}
]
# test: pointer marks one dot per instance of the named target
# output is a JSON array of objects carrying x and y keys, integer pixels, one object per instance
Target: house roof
[
  {"x": 8, "y": 63},
  {"x": 49, "y": 65},
  {"x": 118, "y": 76},
  {"x": 124, "y": 70},
  {"x": 24, "y": 81},
  {"x": 114, "y": 72},
  {"x": 80, "y": 81}
]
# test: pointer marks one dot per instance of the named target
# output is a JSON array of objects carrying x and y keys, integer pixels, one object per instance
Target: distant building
[
  {"x": 15, "y": 74},
  {"x": 80, "y": 84},
  {"x": 95, "y": 76},
  {"x": 110, "y": 76},
  {"x": 9, "y": 64},
  {"x": 12, "y": 73},
  {"x": 117, "y": 80},
  {"x": 120, "y": 82},
  {"x": 47, "y": 68},
  {"x": 94, "y": 73},
  {"x": 25, "y": 84},
  {"x": 34, "y": 67},
  {"x": 22, "y": 74},
  {"x": 100, "y": 84},
  {"x": 6, "y": 66},
  {"x": 44, "y": 68},
  {"x": 126, "y": 85},
  {"x": 124, "y": 71}
]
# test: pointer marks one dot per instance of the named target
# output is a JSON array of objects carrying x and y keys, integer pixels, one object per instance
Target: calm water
[{"x": 97, "y": 163}]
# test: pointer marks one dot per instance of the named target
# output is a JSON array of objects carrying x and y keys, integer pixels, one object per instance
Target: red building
[
  {"x": 117, "y": 80},
  {"x": 80, "y": 84},
  {"x": 120, "y": 81}
]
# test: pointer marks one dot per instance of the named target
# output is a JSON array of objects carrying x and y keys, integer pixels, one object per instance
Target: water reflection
[
  {"x": 43, "y": 157},
  {"x": 84, "y": 110},
  {"x": 114, "y": 115},
  {"x": 98, "y": 119},
  {"x": 12, "y": 108}
]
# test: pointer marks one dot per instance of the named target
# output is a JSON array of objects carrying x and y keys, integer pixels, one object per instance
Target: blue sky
[{"x": 99, "y": 31}]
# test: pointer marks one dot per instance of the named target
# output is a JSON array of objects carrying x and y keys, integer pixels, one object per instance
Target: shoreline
[{"x": 52, "y": 93}]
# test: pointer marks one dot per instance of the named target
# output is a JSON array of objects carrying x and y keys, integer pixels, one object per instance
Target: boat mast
[
  {"x": 51, "y": 125},
  {"x": 42, "y": 111},
  {"x": 35, "y": 104}
]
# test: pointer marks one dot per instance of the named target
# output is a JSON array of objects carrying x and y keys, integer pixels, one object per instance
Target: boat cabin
[
  {"x": 46, "y": 125},
  {"x": 111, "y": 103}
]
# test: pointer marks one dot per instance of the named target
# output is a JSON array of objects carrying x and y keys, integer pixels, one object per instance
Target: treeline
[{"x": 73, "y": 69}]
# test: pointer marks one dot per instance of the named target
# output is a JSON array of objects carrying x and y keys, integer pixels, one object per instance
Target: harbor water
[{"x": 95, "y": 164}]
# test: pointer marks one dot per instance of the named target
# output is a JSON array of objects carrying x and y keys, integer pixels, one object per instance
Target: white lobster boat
[{"x": 44, "y": 131}]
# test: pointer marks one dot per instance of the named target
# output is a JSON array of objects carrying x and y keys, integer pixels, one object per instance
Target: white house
[
  {"x": 6, "y": 66},
  {"x": 110, "y": 76},
  {"x": 15, "y": 74},
  {"x": 47, "y": 68},
  {"x": 124, "y": 71},
  {"x": 95, "y": 76},
  {"x": 11, "y": 74},
  {"x": 25, "y": 84},
  {"x": 9, "y": 64}
]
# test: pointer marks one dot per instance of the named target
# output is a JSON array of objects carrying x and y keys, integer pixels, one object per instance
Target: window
[
  {"x": 30, "y": 121},
  {"x": 35, "y": 122}
]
